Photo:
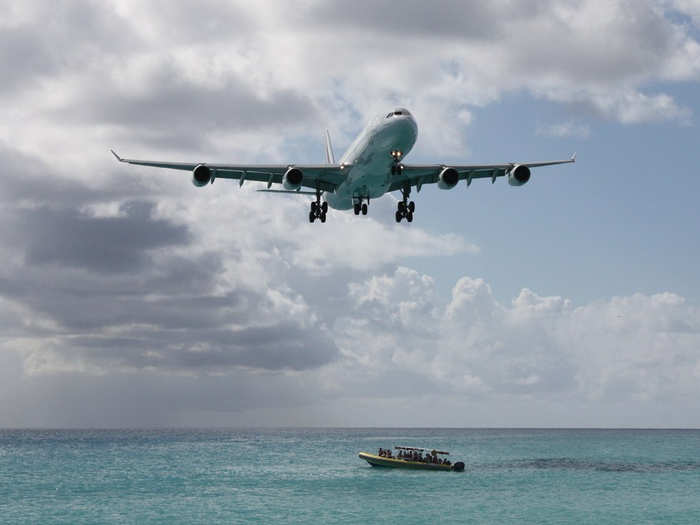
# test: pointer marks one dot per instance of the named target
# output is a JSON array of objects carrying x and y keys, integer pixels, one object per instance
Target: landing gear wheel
[
  {"x": 364, "y": 209},
  {"x": 318, "y": 209},
  {"x": 356, "y": 208},
  {"x": 405, "y": 208}
]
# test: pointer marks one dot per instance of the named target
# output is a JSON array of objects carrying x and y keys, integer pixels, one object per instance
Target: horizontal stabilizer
[{"x": 295, "y": 192}]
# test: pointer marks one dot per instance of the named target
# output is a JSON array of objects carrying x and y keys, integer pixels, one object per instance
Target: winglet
[
  {"x": 573, "y": 157},
  {"x": 117, "y": 156}
]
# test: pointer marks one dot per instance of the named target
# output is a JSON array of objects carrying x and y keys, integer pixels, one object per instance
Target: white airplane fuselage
[{"x": 369, "y": 159}]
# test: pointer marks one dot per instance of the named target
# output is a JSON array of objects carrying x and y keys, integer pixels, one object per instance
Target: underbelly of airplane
[
  {"x": 370, "y": 175},
  {"x": 362, "y": 183}
]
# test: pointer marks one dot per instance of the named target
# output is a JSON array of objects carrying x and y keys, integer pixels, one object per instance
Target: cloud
[
  {"x": 128, "y": 297},
  {"x": 689, "y": 8},
  {"x": 641, "y": 347},
  {"x": 101, "y": 244},
  {"x": 105, "y": 282},
  {"x": 565, "y": 129},
  {"x": 168, "y": 107},
  {"x": 118, "y": 74}
]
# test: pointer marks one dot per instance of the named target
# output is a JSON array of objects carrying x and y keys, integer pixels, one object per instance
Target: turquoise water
[{"x": 315, "y": 476}]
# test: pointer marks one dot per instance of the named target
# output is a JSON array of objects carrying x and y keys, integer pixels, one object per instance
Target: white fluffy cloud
[{"x": 637, "y": 348}]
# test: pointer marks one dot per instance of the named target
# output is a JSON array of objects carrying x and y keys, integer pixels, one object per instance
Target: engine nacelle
[
  {"x": 519, "y": 175},
  {"x": 201, "y": 175},
  {"x": 448, "y": 178},
  {"x": 292, "y": 179}
]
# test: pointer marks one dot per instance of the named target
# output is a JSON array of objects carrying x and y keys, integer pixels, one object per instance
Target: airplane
[{"x": 372, "y": 166}]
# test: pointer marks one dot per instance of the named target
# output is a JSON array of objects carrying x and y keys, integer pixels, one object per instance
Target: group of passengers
[{"x": 413, "y": 455}]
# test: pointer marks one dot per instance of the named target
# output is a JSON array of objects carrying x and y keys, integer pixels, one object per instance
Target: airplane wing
[
  {"x": 417, "y": 175},
  {"x": 325, "y": 177}
]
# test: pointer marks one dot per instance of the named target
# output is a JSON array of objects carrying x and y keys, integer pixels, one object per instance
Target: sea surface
[{"x": 315, "y": 476}]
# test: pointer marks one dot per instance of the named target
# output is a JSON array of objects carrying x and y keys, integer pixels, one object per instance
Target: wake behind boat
[{"x": 413, "y": 458}]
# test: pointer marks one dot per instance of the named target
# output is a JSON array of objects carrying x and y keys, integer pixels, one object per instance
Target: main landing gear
[
  {"x": 405, "y": 208},
  {"x": 360, "y": 206},
  {"x": 318, "y": 209}
]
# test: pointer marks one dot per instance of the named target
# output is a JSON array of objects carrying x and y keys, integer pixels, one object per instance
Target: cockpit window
[{"x": 398, "y": 112}]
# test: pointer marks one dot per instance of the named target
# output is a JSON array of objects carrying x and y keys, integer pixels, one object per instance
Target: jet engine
[
  {"x": 201, "y": 175},
  {"x": 448, "y": 178},
  {"x": 292, "y": 179},
  {"x": 519, "y": 175}
]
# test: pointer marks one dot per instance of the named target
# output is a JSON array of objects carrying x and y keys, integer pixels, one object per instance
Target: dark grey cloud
[
  {"x": 29, "y": 180},
  {"x": 124, "y": 291},
  {"x": 452, "y": 18},
  {"x": 98, "y": 244},
  {"x": 282, "y": 345},
  {"x": 60, "y": 37},
  {"x": 170, "y": 109}
]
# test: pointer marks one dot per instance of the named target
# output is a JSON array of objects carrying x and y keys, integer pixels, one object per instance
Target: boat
[{"x": 431, "y": 460}]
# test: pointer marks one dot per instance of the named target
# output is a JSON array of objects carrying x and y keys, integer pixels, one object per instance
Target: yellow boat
[{"x": 394, "y": 462}]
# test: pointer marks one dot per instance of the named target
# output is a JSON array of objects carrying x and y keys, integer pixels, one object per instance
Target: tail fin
[{"x": 330, "y": 158}]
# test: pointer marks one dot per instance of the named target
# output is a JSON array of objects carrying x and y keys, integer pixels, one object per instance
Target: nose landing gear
[
  {"x": 318, "y": 209},
  {"x": 405, "y": 208}
]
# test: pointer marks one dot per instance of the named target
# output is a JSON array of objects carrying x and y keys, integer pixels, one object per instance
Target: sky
[{"x": 130, "y": 298}]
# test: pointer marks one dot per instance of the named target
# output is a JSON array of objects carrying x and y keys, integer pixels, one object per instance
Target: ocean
[{"x": 315, "y": 476}]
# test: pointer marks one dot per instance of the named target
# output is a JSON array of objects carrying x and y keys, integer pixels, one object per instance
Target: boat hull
[{"x": 379, "y": 461}]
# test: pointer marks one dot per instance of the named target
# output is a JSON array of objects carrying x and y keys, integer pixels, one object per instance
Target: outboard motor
[{"x": 458, "y": 467}]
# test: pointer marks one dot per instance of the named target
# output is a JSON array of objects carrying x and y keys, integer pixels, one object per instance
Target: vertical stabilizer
[{"x": 330, "y": 158}]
